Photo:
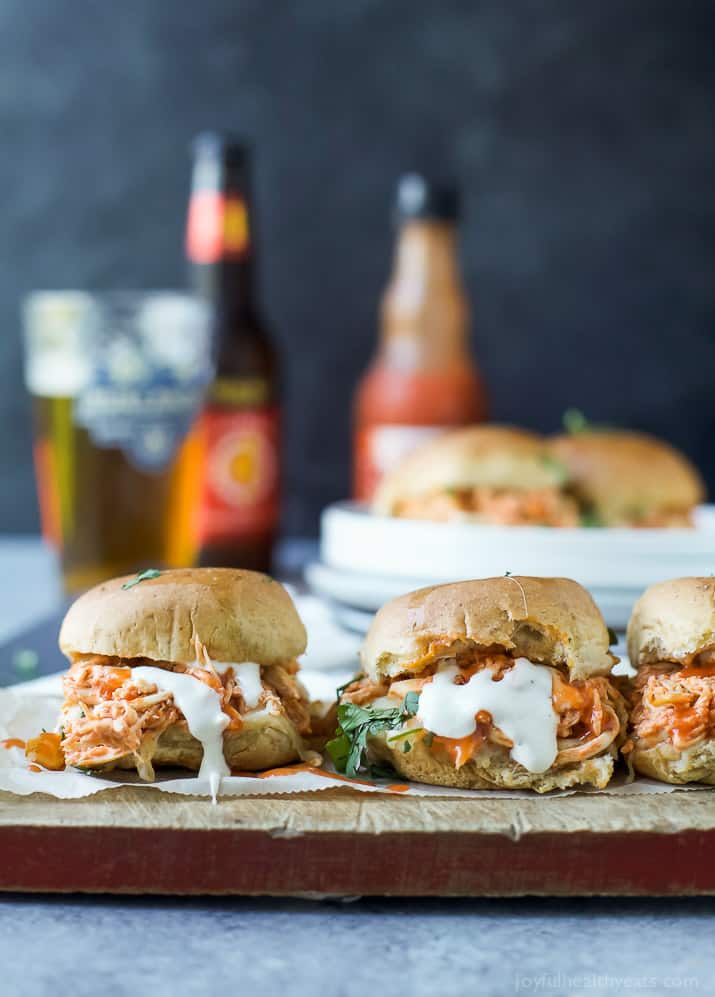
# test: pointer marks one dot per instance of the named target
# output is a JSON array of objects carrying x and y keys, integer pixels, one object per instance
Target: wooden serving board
[{"x": 338, "y": 843}]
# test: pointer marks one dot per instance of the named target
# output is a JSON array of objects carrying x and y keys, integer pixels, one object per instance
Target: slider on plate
[
  {"x": 622, "y": 478},
  {"x": 671, "y": 643},
  {"x": 193, "y": 668},
  {"x": 500, "y": 682},
  {"x": 485, "y": 474}
]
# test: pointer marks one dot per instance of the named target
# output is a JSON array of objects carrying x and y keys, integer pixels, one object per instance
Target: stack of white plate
[{"x": 365, "y": 560}]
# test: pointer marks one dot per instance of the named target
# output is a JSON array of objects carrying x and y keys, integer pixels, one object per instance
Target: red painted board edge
[{"x": 232, "y": 861}]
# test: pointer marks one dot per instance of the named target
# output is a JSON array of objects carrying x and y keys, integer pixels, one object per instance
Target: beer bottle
[
  {"x": 239, "y": 508},
  {"x": 422, "y": 378}
]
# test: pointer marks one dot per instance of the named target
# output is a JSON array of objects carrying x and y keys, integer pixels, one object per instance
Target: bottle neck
[
  {"x": 424, "y": 309},
  {"x": 228, "y": 286},
  {"x": 219, "y": 236}
]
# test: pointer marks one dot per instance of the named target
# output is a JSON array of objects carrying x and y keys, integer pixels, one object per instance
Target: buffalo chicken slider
[
  {"x": 193, "y": 668},
  {"x": 486, "y": 474},
  {"x": 629, "y": 479},
  {"x": 500, "y": 682},
  {"x": 671, "y": 643}
]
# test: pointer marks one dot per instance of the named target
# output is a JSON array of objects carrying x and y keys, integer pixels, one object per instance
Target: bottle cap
[
  {"x": 222, "y": 145},
  {"x": 420, "y": 197}
]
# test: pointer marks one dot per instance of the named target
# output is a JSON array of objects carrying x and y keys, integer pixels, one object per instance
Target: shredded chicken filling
[
  {"x": 107, "y": 714},
  {"x": 500, "y": 506},
  {"x": 587, "y": 711},
  {"x": 659, "y": 519},
  {"x": 673, "y": 704}
]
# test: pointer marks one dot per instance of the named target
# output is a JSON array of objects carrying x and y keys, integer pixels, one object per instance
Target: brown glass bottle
[{"x": 239, "y": 506}]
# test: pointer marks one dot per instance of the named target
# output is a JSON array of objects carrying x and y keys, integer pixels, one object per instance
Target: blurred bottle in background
[
  {"x": 422, "y": 379},
  {"x": 117, "y": 380},
  {"x": 239, "y": 507}
]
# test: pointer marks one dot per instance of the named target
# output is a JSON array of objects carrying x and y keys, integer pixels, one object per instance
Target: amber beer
[
  {"x": 116, "y": 384},
  {"x": 239, "y": 507}
]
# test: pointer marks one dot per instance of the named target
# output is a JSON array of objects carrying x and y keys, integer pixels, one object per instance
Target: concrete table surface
[
  {"x": 112, "y": 945},
  {"x": 91, "y": 946}
]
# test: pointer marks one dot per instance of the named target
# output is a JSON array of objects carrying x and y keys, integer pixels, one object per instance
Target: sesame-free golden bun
[
  {"x": 493, "y": 768},
  {"x": 551, "y": 621},
  {"x": 672, "y": 621},
  {"x": 265, "y": 740},
  {"x": 237, "y": 616},
  {"x": 479, "y": 456},
  {"x": 666, "y": 763},
  {"x": 625, "y": 477}
]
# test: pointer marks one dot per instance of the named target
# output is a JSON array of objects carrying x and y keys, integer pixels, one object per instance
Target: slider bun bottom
[
  {"x": 666, "y": 764},
  {"x": 262, "y": 743},
  {"x": 491, "y": 768}
]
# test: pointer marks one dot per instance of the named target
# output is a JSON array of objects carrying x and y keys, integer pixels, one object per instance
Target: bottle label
[
  {"x": 137, "y": 373},
  {"x": 241, "y": 473},
  {"x": 217, "y": 227},
  {"x": 379, "y": 448}
]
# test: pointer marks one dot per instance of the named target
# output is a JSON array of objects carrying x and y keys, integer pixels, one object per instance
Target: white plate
[
  {"x": 367, "y": 559},
  {"x": 355, "y": 597}
]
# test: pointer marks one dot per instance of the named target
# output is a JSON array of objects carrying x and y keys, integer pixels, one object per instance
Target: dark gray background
[{"x": 581, "y": 131}]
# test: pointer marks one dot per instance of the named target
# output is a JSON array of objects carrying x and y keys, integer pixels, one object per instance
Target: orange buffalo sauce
[
  {"x": 108, "y": 680},
  {"x": 459, "y": 750},
  {"x": 293, "y": 770},
  {"x": 12, "y": 742},
  {"x": 685, "y": 722},
  {"x": 698, "y": 671},
  {"x": 46, "y": 750}
]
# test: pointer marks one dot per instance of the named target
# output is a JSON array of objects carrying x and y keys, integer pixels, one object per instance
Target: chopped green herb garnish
[
  {"x": 26, "y": 661},
  {"x": 341, "y": 688},
  {"x": 62, "y": 733},
  {"x": 405, "y": 733},
  {"x": 356, "y": 723},
  {"x": 575, "y": 422},
  {"x": 411, "y": 703},
  {"x": 590, "y": 519},
  {"x": 406, "y": 747},
  {"x": 555, "y": 465},
  {"x": 612, "y": 637},
  {"x": 141, "y": 577},
  {"x": 382, "y": 771}
]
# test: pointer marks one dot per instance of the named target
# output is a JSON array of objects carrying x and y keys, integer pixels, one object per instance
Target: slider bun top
[
  {"x": 552, "y": 621},
  {"x": 626, "y": 475},
  {"x": 672, "y": 621},
  {"x": 491, "y": 456},
  {"x": 237, "y": 615}
]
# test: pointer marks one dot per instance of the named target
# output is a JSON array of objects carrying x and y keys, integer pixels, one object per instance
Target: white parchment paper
[{"x": 25, "y": 709}]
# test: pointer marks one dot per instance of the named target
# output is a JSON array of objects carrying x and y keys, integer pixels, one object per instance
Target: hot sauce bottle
[
  {"x": 239, "y": 507},
  {"x": 422, "y": 379}
]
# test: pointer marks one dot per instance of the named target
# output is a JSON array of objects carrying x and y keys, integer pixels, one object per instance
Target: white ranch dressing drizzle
[
  {"x": 520, "y": 705},
  {"x": 248, "y": 679},
  {"x": 201, "y": 707}
]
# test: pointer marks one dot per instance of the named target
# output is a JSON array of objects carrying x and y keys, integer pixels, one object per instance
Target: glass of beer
[{"x": 117, "y": 381}]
